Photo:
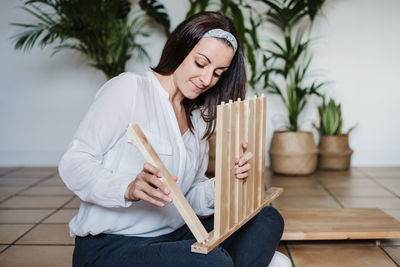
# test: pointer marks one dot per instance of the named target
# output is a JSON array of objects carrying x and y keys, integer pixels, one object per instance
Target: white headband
[{"x": 219, "y": 33}]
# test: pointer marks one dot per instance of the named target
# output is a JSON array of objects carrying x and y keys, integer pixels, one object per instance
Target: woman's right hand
[{"x": 145, "y": 187}]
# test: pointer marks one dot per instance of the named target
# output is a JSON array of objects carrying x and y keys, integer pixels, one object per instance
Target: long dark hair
[{"x": 230, "y": 86}]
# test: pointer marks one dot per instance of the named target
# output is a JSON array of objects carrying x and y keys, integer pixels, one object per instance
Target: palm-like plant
[
  {"x": 246, "y": 25},
  {"x": 101, "y": 29},
  {"x": 330, "y": 118},
  {"x": 288, "y": 60}
]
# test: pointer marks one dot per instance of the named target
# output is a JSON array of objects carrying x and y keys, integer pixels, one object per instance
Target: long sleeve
[
  {"x": 105, "y": 123},
  {"x": 201, "y": 193}
]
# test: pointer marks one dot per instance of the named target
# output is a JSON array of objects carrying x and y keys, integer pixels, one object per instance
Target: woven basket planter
[
  {"x": 293, "y": 153},
  {"x": 335, "y": 153}
]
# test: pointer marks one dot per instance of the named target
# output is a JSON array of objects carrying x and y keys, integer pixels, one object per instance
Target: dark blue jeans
[{"x": 253, "y": 244}]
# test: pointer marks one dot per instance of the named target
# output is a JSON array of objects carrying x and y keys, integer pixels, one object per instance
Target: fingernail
[
  {"x": 159, "y": 174},
  {"x": 166, "y": 191}
]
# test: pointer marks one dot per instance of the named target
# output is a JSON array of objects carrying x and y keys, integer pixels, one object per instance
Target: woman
[{"x": 126, "y": 217}]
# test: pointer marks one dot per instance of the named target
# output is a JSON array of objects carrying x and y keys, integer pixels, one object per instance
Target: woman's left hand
[{"x": 242, "y": 165}]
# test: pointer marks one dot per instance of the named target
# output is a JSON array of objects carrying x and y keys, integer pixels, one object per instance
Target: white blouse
[{"x": 102, "y": 160}]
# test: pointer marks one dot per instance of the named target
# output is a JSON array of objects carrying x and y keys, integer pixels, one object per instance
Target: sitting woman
[{"x": 126, "y": 217}]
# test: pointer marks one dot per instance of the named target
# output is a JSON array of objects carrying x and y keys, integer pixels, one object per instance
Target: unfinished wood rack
[{"x": 236, "y": 201}]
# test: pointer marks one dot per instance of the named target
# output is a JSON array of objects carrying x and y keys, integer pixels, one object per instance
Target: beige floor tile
[
  {"x": 62, "y": 216},
  {"x": 48, "y": 190},
  {"x": 37, "y": 256},
  {"x": 312, "y": 190},
  {"x": 10, "y": 232},
  {"x": 352, "y": 173},
  {"x": 23, "y": 216},
  {"x": 393, "y": 184},
  {"x": 305, "y": 202},
  {"x": 370, "y": 202},
  {"x": 2, "y": 247},
  {"x": 395, "y": 213},
  {"x": 394, "y": 252},
  {"x": 11, "y": 189},
  {"x": 34, "y": 202},
  {"x": 4, "y": 197},
  {"x": 335, "y": 256},
  {"x": 349, "y": 182},
  {"x": 271, "y": 174},
  {"x": 381, "y": 171},
  {"x": 53, "y": 181},
  {"x": 40, "y": 169},
  {"x": 389, "y": 181},
  {"x": 74, "y": 204},
  {"x": 284, "y": 181},
  {"x": 28, "y": 174},
  {"x": 394, "y": 189},
  {"x": 354, "y": 191},
  {"x": 6, "y": 169},
  {"x": 18, "y": 181},
  {"x": 48, "y": 234}
]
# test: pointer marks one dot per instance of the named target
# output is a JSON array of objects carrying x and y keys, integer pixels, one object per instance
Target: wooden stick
[
  {"x": 178, "y": 198},
  {"x": 231, "y": 162},
  {"x": 252, "y": 147},
  {"x": 261, "y": 156},
  {"x": 221, "y": 214},
  {"x": 238, "y": 152},
  {"x": 257, "y": 118},
  {"x": 245, "y": 135},
  {"x": 263, "y": 140}
]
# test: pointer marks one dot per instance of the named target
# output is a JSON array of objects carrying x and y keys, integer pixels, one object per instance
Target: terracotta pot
[
  {"x": 293, "y": 153},
  {"x": 335, "y": 153}
]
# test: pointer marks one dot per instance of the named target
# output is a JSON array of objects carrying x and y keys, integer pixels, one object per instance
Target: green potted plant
[
  {"x": 105, "y": 31},
  {"x": 286, "y": 67},
  {"x": 335, "y": 152}
]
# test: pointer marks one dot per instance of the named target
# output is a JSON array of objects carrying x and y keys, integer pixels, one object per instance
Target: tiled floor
[
  {"x": 35, "y": 208},
  {"x": 357, "y": 188}
]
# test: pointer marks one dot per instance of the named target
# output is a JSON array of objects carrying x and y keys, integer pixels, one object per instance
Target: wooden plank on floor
[{"x": 336, "y": 224}]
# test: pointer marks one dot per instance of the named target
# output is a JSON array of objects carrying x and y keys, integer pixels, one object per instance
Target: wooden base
[
  {"x": 335, "y": 224},
  {"x": 270, "y": 195}
]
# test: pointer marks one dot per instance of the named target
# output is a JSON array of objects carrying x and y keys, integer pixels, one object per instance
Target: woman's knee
[{"x": 272, "y": 216}]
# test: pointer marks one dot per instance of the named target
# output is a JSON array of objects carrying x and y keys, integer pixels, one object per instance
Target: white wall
[{"x": 43, "y": 98}]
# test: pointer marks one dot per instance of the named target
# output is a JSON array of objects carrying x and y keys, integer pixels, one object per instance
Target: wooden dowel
[
  {"x": 251, "y": 135},
  {"x": 244, "y": 129},
  {"x": 260, "y": 171},
  {"x": 221, "y": 174},
  {"x": 231, "y": 163},
  {"x": 238, "y": 151},
  {"x": 257, "y": 154},
  {"x": 264, "y": 129}
]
